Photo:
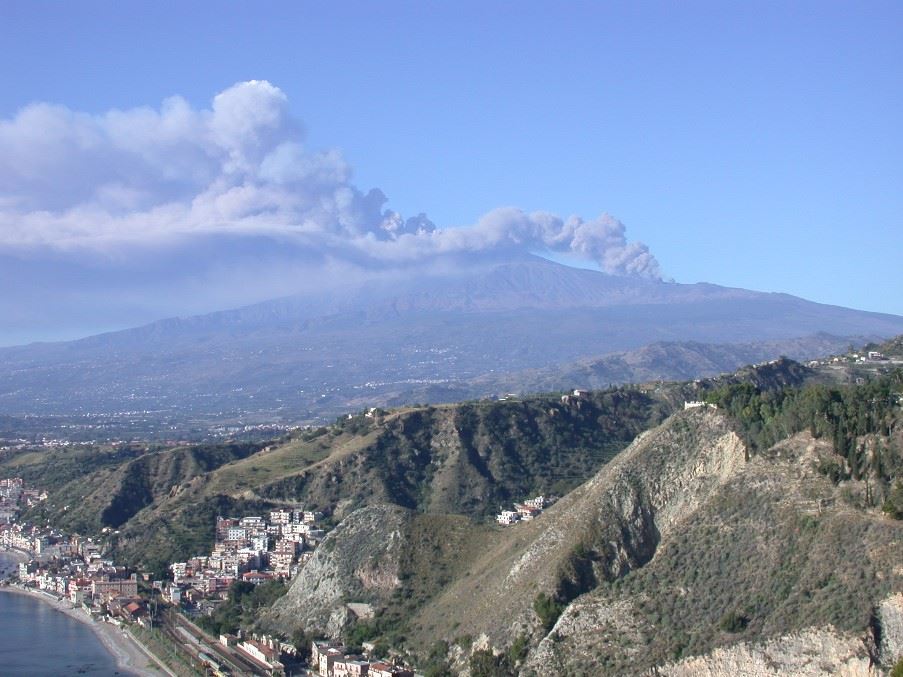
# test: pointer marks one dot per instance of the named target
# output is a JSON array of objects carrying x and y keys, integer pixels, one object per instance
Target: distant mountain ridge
[{"x": 317, "y": 355}]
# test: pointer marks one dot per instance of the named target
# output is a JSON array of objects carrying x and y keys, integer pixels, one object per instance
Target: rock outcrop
[
  {"x": 812, "y": 653},
  {"x": 358, "y": 562},
  {"x": 890, "y": 620}
]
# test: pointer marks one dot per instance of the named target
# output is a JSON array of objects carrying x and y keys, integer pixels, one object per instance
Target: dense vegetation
[
  {"x": 843, "y": 414},
  {"x": 242, "y": 606},
  {"x": 473, "y": 457}
]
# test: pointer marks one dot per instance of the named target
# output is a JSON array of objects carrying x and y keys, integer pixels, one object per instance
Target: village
[{"x": 250, "y": 549}]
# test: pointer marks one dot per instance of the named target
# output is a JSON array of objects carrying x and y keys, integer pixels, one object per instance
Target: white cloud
[{"x": 143, "y": 179}]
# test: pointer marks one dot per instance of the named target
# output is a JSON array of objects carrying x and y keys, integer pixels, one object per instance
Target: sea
[{"x": 36, "y": 639}]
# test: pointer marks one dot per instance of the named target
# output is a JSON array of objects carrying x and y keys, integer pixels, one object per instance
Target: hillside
[
  {"x": 758, "y": 531},
  {"x": 462, "y": 459},
  {"x": 312, "y": 358},
  {"x": 678, "y": 547},
  {"x": 774, "y": 551}
]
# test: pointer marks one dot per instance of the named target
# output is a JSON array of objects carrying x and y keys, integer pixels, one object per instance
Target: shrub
[
  {"x": 548, "y": 609},
  {"x": 893, "y": 506},
  {"x": 484, "y": 663},
  {"x": 733, "y": 622}
]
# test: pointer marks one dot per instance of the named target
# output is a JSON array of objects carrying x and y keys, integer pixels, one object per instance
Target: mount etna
[{"x": 452, "y": 332}]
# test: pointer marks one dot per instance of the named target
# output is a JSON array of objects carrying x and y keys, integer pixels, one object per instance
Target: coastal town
[{"x": 163, "y": 616}]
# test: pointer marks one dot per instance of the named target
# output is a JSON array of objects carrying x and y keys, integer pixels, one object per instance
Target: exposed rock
[
  {"x": 357, "y": 562},
  {"x": 890, "y": 614},
  {"x": 812, "y": 653}
]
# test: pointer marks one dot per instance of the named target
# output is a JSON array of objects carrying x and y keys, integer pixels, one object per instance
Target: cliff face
[
  {"x": 358, "y": 562},
  {"x": 811, "y": 653}
]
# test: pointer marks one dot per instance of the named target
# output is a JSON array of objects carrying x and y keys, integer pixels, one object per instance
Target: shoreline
[{"x": 131, "y": 657}]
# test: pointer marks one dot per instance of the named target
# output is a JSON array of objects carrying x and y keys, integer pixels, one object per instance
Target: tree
[
  {"x": 548, "y": 609},
  {"x": 893, "y": 506},
  {"x": 484, "y": 663}
]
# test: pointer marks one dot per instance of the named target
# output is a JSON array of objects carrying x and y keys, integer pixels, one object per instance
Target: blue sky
[{"x": 754, "y": 145}]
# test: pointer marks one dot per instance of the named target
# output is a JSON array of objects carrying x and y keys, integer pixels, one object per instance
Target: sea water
[{"x": 36, "y": 639}]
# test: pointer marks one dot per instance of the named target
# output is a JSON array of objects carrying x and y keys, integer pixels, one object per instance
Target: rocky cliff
[{"x": 358, "y": 562}]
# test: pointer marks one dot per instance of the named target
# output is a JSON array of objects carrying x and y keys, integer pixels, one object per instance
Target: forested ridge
[{"x": 864, "y": 422}]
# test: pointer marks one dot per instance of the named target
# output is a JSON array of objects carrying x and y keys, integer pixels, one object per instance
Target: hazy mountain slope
[
  {"x": 305, "y": 357},
  {"x": 654, "y": 362}
]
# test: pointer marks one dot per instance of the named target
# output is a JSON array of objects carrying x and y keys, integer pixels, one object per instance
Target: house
[
  {"x": 76, "y": 595},
  {"x": 507, "y": 517},
  {"x": 208, "y": 607},
  {"x": 261, "y": 653},
  {"x": 382, "y": 669},
  {"x": 323, "y": 655},
  {"x": 312, "y": 517},
  {"x": 526, "y": 512},
  {"x": 327, "y": 660},
  {"x": 538, "y": 503},
  {"x": 236, "y": 533},
  {"x": 257, "y": 577},
  {"x": 134, "y": 611},
  {"x": 280, "y": 516},
  {"x": 350, "y": 667},
  {"x": 121, "y": 587},
  {"x": 194, "y": 595}
]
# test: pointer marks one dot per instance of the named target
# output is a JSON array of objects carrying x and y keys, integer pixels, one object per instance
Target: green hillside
[{"x": 461, "y": 459}]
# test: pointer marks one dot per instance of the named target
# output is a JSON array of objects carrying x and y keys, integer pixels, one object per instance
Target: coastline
[{"x": 130, "y": 656}]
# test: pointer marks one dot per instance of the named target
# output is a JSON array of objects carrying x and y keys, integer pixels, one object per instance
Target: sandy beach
[{"x": 130, "y": 656}]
